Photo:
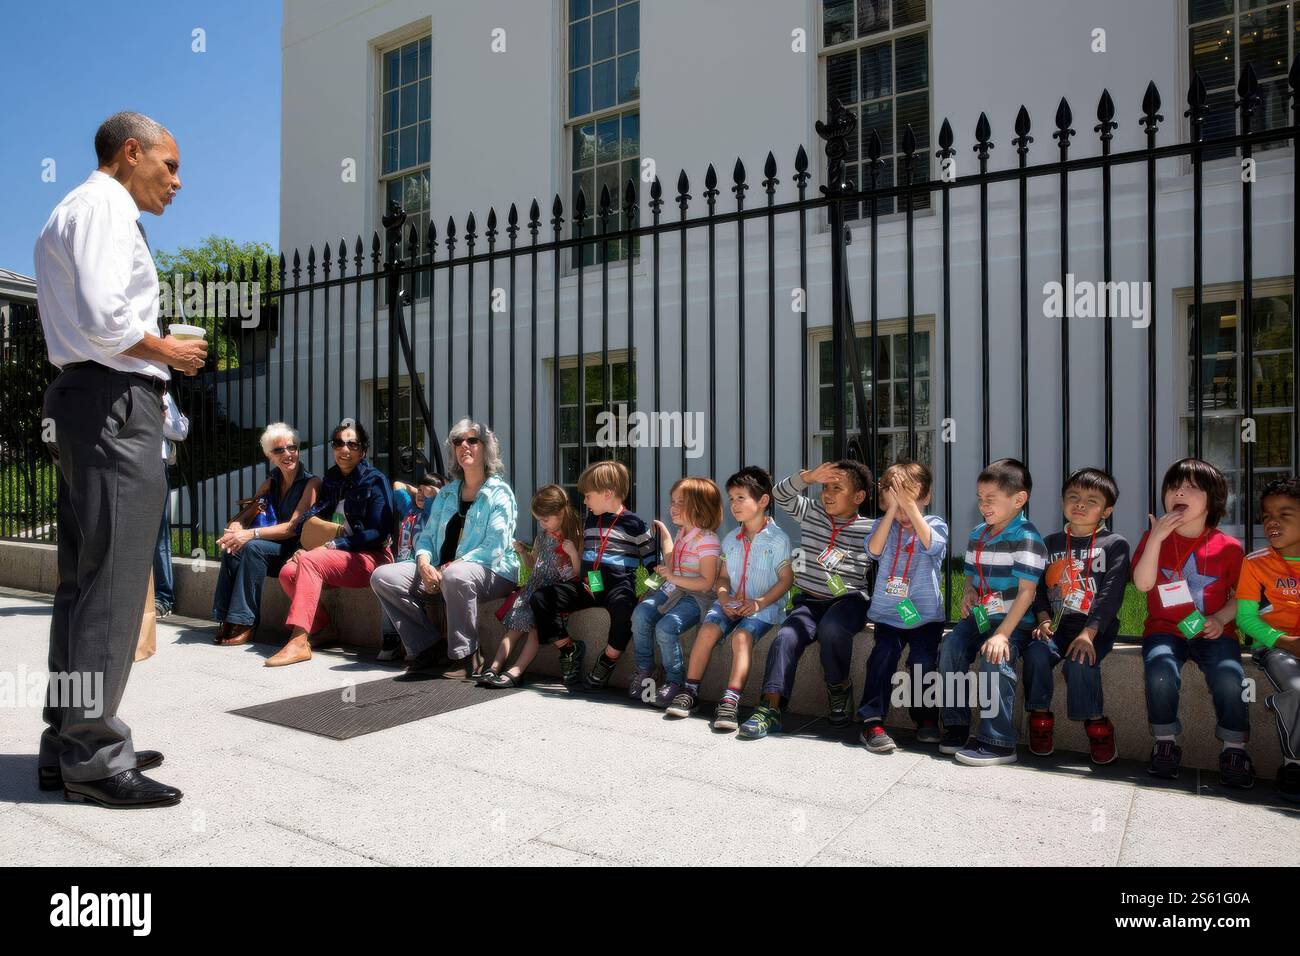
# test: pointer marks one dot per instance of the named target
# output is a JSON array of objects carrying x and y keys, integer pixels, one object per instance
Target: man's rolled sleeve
[{"x": 101, "y": 251}]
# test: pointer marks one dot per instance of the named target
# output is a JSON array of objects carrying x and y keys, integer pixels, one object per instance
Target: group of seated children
[{"x": 1029, "y": 599}]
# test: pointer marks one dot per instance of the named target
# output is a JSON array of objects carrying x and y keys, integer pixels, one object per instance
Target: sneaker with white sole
[
  {"x": 876, "y": 739},
  {"x": 727, "y": 717},
  {"x": 980, "y": 754},
  {"x": 683, "y": 704}
]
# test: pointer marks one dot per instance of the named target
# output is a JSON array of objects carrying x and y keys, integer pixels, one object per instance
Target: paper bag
[{"x": 147, "y": 642}]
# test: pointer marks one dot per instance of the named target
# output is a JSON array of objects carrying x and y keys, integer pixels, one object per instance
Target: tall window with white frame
[
  {"x": 875, "y": 59},
  {"x": 405, "y": 104},
  {"x": 885, "y": 387},
  {"x": 603, "y": 119},
  {"x": 1223, "y": 384},
  {"x": 1222, "y": 37}
]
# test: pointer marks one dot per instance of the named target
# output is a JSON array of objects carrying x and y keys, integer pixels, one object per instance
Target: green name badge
[
  {"x": 907, "y": 612},
  {"x": 1192, "y": 624},
  {"x": 981, "y": 617},
  {"x": 594, "y": 582},
  {"x": 837, "y": 585},
  {"x": 653, "y": 582}
]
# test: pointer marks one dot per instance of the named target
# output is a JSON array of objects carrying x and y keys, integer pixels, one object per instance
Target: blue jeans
[
  {"x": 163, "y": 584},
  {"x": 1219, "y": 659},
  {"x": 833, "y": 624},
  {"x": 923, "y": 644},
  {"x": 651, "y": 626},
  {"x": 996, "y": 683},
  {"x": 1083, "y": 698},
  {"x": 238, "y": 594}
]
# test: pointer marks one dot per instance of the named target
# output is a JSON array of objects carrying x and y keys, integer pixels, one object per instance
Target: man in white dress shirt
[{"x": 97, "y": 290}]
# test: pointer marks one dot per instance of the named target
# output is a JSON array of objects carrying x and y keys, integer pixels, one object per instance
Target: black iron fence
[{"x": 382, "y": 326}]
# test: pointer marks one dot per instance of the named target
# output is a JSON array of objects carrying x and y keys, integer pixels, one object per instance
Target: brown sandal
[{"x": 239, "y": 634}]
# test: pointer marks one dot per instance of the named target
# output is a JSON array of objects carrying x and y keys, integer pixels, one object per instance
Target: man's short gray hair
[
  {"x": 491, "y": 447},
  {"x": 120, "y": 127}
]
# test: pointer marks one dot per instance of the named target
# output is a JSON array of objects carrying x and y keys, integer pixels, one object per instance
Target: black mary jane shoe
[
  {"x": 502, "y": 681},
  {"x": 484, "y": 678}
]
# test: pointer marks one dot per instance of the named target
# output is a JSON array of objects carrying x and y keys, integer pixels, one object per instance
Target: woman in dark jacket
[
  {"x": 359, "y": 497},
  {"x": 251, "y": 554}
]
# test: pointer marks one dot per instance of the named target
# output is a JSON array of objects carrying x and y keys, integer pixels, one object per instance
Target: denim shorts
[{"x": 756, "y": 626}]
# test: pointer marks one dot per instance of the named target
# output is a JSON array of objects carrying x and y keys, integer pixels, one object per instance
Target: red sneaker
[
  {"x": 1041, "y": 742},
  {"x": 1101, "y": 740}
]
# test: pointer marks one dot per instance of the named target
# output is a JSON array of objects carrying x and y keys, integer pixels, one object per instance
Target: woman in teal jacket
[{"x": 465, "y": 551}]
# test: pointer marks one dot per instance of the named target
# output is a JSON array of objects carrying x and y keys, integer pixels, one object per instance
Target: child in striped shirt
[
  {"x": 678, "y": 589},
  {"x": 831, "y": 572},
  {"x": 1005, "y": 557},
  {"x": 615, "y": 543},
  {"x": 1270, "y": 577}
]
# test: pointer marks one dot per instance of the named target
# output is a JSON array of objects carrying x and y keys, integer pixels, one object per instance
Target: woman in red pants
[{"x": 358, "y": 496}]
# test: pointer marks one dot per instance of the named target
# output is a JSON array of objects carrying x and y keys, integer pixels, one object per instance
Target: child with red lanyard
[
  {"x": 751, "y": 590},
  {"x": 907, "y": 607},
  {"x": 615, "y": 543},
  {"x": 672, "y": 604},
  {"x": 1188, "y": 570},
  {"x": 1077, "y": 606}
]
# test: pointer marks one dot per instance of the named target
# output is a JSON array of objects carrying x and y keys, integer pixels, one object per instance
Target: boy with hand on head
[
  {"x": 906, "y": 607},
  {"x": 1188, "y": 570},
  {"x": 832, "y": 577},
  {"x": 1005, "y": 557},
  {"x": 1270, "y": 578},
  {"x": 615, "y": 543},
  {"x": 1077, "y": 608},
  {"x": 751, "y": 588}
]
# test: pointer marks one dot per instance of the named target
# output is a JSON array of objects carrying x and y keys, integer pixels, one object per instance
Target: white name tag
[
  {"x": 896, "y": 587},
  {"x": 1078, "y": 600},
  {"x": 1175, "y": 593},
  {"x": 994, "y": 604},
  {"x": 831, "y": 558}
]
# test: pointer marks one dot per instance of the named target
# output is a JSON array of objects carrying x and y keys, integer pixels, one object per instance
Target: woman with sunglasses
[
  {"x": 359, "y": 496},
  {"x": 465, "y": 551},
  {"x": 253, "y": 553}
]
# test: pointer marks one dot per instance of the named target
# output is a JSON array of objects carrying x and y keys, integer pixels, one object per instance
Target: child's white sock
[
  {"x": 1234, "y": 743},
  {"x": 1169, "y": 737},
  {"x": 1290, "y": 760}
]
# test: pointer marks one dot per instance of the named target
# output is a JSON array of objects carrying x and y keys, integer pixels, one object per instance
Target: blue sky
[{"x": 65, "y": 66}]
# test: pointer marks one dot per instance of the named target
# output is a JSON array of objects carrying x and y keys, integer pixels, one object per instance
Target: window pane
[
  {"x": 908, "y": 11},
  {"x": 426, "y": 57},
  {"x": 873, "y": 16},
  {"x": 1272, "y": 442},
  {"x": 579, "y": 8},
  {"x": 580, "y": 92},
  {"x": 1211, "y": 54},
  {"x": 607, "y": 177},
  {"x": 423, "y": 153},
  {"x": 607, "y": 140},
  {"x": 629, "y": 77},
  {"x": 571, "y": 458},
  {"x": 878, "y": 117},
  {"x": 407, "y": 141},
  {"x": 600, "y": 5},
  {"x": 911, "y": 63},
  {"x": 568, "y": 425},
  {"x": 915, "y": 109},
  {"x": 1262, "y": 37},
  {"x": 392, "y": 191},
  {"x": 877, "y": 71},
  {"x": 584, "y": 146},
  {"x": 1198, "y": 10},
  {"x": 1274, "y": 111},
  {"x": 586, "y": 180},
  {"x": 392, "y": 69},
  {"x": 425, "y": 96},
  {"x": 631, "y": 134},
  {"x": 1220, "y": 121},
  {"x": 882, "y": 399},
  {"x": 410, "y": 105},
  {"x": 390, "y": 153},
  {"x": 569, "y": 386},
  {"x": 1271, "y": 323},
  {"x": 1218, "y": 384},
  {"x": 390, "y": 111},
  {"x": 837, "y": 21},
  {"x": 630, "y": 170},
  {"x": 602, "y": 83},
  {"x": 1218, "y": 327},
  {"x": 825, "y": 406},
  {"x": 580, "y": 43},
  {"x": 593, "y": 425},
  {"x": 620, "y": 383},
  {"x": 602, "y": 37},
  {"x": 1273, "y": 385},
  {"x": 842, "y": 78},
  {"x": 629, "y": 28},
  {"x": 410, "y": 63}
]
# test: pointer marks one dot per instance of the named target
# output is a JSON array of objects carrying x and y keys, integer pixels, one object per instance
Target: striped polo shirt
[
  {"x": 689, "y": 548},
  {"x": 816, "y": 528},
  {"x": 769, "y": 552},
  {"x": 628, "y": 543},
  {"x": 1016, "y": 553}
]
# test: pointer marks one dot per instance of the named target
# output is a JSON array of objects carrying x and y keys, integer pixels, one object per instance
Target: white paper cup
[{"x": 187, "y": 332}]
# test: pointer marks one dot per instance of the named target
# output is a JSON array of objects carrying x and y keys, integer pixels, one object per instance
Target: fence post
[
  {"x": 393, "y": 221},
  {"x": 835, "y": 132}
]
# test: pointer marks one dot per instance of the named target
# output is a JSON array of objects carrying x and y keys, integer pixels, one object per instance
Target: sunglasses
[
  {"x": 283, "y": 449},
  {"x": 349, "y": 444},
  {"x": 470, "y": 440}
]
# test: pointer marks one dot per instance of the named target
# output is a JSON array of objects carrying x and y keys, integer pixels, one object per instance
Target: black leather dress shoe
[
  {"x": 127, "y": 790},
  {"x": 51, "y": 778}
]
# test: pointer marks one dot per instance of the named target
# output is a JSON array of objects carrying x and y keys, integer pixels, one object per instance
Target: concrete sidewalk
[{"x": 543, "y": 777}]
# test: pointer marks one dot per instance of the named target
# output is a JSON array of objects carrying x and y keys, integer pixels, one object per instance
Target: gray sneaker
[
  {"x": 636, "y": 683},
  {"x": 667, "y": 694},
  {"x": 876, "y": 739},
  {"x": 726, "y": 718},
  {"x": 683, "y": 704}
]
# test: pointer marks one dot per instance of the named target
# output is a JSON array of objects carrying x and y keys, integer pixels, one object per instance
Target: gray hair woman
[
  {"x": 465, "y": 550},
  {"x": 253, "y": 552}
]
